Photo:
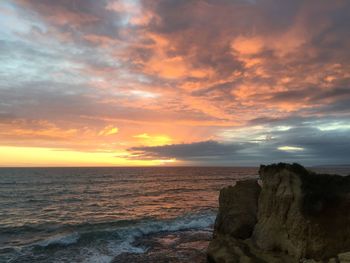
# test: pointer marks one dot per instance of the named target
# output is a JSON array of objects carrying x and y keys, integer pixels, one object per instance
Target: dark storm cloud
[
  {"x": 320, "y": 145},
  {"x": 306, "y": 145},
  {"x": 313, "y": 95},
  {"x": 298, "y": 121},
  {"x": 341, "y": 107},
  {"x": 193, "y": 151}
]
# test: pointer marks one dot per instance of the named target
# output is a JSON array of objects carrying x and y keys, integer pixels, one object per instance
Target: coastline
[{"x": 294, "y": 215}]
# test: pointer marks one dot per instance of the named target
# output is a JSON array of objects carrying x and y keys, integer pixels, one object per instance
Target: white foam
[
  {"x": 112, "y": 250},
  {"x": 97, "y": 257},
  {"x": 202, "y": 221},
  {"x": 126, "y": 247},
  {"x": 130, "y": 234},
  {"x": 106, "y": 252},
  {"x": 60, "y": 239}
]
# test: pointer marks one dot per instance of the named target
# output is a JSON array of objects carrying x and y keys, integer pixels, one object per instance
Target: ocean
[
  {"x": 108, "y": 214},
  {"x": 161, "y": 214}
]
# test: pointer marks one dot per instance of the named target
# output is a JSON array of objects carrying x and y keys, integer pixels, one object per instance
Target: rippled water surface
[
  {"x": 104, "y": 214},
  {"x": 95, "y": 214}
]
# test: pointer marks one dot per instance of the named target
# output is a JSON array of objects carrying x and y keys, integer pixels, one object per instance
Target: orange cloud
[
  {"x": 247, "y": 45},
  {"x": 108, "y": 130},
  {"x": 153, "y": 140}
]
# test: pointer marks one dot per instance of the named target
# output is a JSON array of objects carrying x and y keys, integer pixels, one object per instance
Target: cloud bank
[{"x": 306, "y": 145}]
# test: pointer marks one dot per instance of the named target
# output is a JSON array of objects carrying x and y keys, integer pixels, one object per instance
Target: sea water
[{"x": 98, "y": 214}]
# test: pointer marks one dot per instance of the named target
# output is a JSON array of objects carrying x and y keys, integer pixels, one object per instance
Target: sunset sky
[{"x": 174, "y": 82}]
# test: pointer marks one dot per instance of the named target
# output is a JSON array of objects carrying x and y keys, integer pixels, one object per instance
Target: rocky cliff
[
  {"x": 238, "y": 209},
  {"x": 296, "y": 216}
]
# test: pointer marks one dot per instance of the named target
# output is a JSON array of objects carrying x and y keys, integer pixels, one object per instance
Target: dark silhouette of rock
[
  {"x": 301, "y": 217},
  {"x": 238, "y": 209}
]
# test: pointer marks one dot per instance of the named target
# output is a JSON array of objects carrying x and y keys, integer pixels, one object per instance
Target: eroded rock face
[
  {"x": 301, "y": 217},
  {"x": 304, "y": 214},
  {"x": 238, "y": 209},
  {"x": 235, "y": 221}
]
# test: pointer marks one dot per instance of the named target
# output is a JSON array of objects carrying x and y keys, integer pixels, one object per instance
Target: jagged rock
[
  {"x": 304, "y": 214},
  {"x": 226, "y": 249},
  {"x": 238, "y": 209},
  {"x": 302, "y": 217},
  {"x": 236, "y": 220}
]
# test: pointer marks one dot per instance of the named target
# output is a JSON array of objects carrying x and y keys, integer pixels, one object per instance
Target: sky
[{"x": 174, "y": 82}]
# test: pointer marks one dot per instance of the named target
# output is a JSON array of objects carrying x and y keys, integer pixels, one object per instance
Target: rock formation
[
  {"x": 297, "y": 216},
  {"x": 238, "y": 209}
]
